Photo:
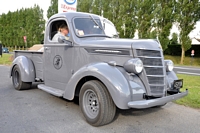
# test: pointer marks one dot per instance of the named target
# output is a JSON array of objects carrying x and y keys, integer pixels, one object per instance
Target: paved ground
[
  {"x": 35, "y": 111},
  {"x": 187, "y": 70}
]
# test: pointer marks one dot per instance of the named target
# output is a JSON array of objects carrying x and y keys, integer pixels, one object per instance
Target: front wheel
[
  {"x": 16, "y": 80},
  {"x": 96, "y": 103}
]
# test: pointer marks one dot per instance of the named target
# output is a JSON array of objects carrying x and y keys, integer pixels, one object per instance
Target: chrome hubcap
[{"x": 90, "y": 104}]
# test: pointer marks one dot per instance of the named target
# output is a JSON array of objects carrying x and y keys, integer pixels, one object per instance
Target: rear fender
[
  {"x": 110, "y": 76},
  {"x": 26, "y": 68}
]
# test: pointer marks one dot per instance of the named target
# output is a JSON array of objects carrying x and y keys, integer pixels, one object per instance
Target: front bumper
[{"x": 156, "y": 102}]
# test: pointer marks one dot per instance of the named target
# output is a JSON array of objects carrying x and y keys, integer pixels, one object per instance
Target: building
[{"x": 196, "y": 41}]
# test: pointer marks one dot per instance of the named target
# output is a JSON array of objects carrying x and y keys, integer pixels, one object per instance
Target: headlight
[
  {"x": 134, "y": 66},
  {"x": 169, "y": 65}
]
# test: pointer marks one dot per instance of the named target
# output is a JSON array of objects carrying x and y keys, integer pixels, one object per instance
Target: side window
[{"x": 56, "y": 28}]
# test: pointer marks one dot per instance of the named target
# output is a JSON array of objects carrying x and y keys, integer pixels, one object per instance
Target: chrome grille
[
  {"x": 152, "y": 61},
  {"x": 154, "y": 70},
  {"x": 149, "y": 53},
  {"x": 156, "y": 80},
  {"x": 156, "y": 89}
]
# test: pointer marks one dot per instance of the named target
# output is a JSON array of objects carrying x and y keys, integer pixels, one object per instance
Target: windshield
[
  {"x": 88, "y": 27},
  {"x": 109, "y": 28}
]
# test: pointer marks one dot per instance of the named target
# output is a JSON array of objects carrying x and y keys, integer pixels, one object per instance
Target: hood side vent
[{"x": 107, "y": 51}]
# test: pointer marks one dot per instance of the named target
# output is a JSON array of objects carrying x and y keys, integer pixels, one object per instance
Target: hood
[
  {"x": 118, "y": 50},
  {"x": 106, "y": 43},
  {"x": 112, "y": 43}
]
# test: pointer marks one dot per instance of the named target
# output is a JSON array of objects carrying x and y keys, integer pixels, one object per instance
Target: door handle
[{"x": 46, "y": 48}]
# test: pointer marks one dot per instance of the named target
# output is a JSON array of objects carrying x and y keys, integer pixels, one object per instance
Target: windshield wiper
[{"x": 97, "y": 24}]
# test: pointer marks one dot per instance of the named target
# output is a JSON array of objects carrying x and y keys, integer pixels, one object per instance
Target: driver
[{"x": 62, "y": 31}]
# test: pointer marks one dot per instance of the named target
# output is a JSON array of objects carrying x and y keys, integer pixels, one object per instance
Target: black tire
[
  {"x": 16, "y": 80},
  {"x": 96, "y": 103}
]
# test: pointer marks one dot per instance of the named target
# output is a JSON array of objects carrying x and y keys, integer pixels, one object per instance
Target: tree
[
  {"x": 174, "y": 40},
  {"x": 84, "y": 5},
  {"x": 112, "y": 11},
  {"x": 53, "y": 8},
  {"x": 24, "y": 22},
  {"x": 127, "y": 18},
  {"x": 145, "y": 16},
  {"x": 118, "y": 12},
  {"x": 164, "y": 13},
  {"x": 188, "y": 12},
  {"x": 153, "y": 34},
  {"x": 96, "y": 7}
]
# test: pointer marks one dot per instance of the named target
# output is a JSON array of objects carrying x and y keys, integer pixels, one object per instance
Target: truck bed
[{"x": 37, "y": 59}]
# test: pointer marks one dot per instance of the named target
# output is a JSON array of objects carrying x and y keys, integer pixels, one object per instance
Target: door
[
  {"x": 58, "y": 65},
  {"x": 58, "y": 59}
]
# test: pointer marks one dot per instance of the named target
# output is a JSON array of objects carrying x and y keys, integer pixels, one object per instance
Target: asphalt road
[
  {"x": 187, "y": 70},
  {"x": 35, "y": 111}
]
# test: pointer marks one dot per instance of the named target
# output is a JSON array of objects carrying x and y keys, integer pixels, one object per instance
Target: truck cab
[{"x": 104, "y": 72}]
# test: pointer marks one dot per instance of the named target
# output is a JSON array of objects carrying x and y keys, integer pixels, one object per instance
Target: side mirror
[
  {"x": 62, "y": 39},
  {"x": 115, "y": 36}
]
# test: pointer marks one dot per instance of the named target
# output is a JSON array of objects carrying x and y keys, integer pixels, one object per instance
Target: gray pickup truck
[{"x": 104, "y": 72}]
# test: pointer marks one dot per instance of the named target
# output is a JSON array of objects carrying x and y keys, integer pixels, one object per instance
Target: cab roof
[{"x": 71, "y": 15}]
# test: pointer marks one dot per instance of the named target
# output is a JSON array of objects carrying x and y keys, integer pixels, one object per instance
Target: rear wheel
[
  {"x": 96, "y": 103},
  {"x": 16, "y": 80}
]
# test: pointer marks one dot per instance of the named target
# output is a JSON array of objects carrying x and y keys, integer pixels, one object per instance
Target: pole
[
  {"x": 25, "y": 41},
  {"x": 192, "y": 55},
  {"x": 26, "y": 45}
]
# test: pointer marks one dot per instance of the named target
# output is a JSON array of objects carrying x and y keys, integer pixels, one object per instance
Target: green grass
[
  {"x": 188, "y": 61},
  {"x": 193, "y": 85},
  {"x": 6, "y": 59}
]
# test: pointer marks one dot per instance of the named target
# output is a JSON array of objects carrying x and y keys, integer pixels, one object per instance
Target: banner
[{"x": 67, "y": 5}]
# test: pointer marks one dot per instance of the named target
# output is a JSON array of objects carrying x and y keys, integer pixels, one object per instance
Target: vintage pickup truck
[{"x": 104, "y": 72}]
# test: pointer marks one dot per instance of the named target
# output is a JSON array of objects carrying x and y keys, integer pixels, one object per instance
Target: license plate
[{"x": 178, "y": 84}]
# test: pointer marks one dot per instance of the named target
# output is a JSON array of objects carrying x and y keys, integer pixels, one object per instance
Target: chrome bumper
[{"x": 156, "y": 102}]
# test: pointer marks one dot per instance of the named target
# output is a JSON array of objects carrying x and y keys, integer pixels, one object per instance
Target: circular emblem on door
[{"x": 57, "y": 62}]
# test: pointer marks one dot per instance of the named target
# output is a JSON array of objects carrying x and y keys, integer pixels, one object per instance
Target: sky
[{"x": 13, "y": 5}]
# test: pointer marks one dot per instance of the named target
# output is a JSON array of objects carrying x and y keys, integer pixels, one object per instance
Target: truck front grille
[{"x": 153, "y": 69}]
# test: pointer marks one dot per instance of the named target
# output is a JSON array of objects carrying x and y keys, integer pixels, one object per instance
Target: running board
[{"x": 53, "y": 91}]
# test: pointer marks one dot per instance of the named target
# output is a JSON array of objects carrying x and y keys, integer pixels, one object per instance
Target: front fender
[
  {"x": 111, "y": 77},
  {"x": 171, "y": 76},
  {"x": 26, "y": 67}
]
